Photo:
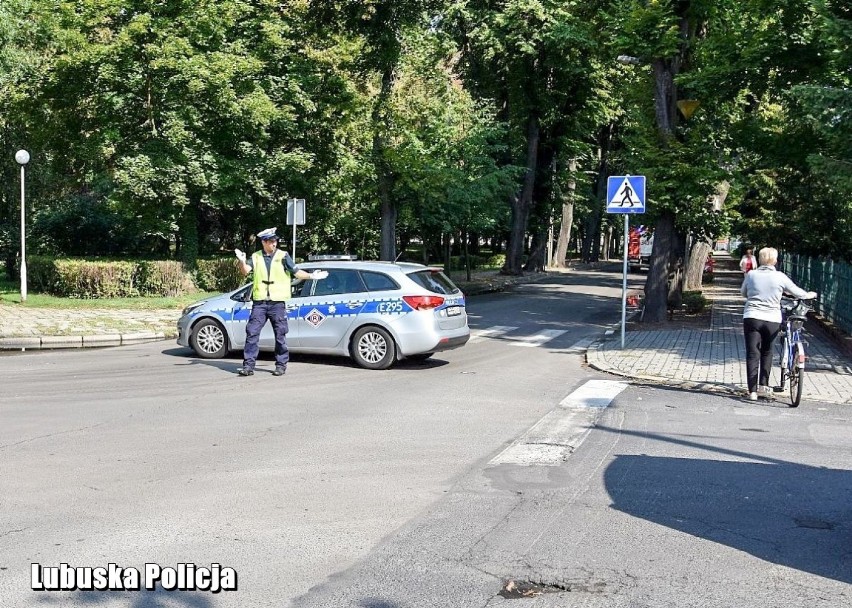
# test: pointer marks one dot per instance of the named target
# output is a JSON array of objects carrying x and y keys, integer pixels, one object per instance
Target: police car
[{"x": 375, "y": 312}]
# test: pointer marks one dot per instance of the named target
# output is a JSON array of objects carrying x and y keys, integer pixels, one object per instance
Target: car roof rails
[{"x": 332, "y": 257}]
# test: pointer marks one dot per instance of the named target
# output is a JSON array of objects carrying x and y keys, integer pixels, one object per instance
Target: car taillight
[{"x": 423, "y": 302}]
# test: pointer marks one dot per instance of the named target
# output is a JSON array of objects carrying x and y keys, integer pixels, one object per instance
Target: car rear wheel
[
  {"x": 209, "y": 339},
  {"x": 373, "y": 348}
]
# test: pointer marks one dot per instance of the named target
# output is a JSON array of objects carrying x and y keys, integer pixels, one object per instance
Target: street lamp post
[{"x": 23, "y": 157}]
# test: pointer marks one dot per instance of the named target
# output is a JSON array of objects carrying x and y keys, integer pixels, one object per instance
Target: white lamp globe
[{"x": 22, "y": 156}]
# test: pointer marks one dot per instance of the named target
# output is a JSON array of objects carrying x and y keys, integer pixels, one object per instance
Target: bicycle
[{"x": 793, "y": 348}]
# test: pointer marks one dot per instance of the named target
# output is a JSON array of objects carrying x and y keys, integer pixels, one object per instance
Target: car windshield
[{"x": 434, "y": 280}]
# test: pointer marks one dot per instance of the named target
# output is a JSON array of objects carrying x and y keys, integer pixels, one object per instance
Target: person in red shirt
[{"x": 748, "y": 261}]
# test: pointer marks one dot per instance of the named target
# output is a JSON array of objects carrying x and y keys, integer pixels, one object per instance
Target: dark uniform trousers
[{"x": 261, "y": 312}]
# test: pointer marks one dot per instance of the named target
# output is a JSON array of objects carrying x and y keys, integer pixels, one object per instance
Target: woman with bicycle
[{"x": 763, "y": 288}]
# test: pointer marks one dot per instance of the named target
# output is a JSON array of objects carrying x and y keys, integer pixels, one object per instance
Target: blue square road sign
[{"x": 625, "y": 194}]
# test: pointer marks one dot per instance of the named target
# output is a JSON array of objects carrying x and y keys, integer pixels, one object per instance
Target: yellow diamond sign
[{"x": 688, "y": 106}]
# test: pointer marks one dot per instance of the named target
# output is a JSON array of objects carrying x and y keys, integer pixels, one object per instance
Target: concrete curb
[{"x": 86, "y": 341}]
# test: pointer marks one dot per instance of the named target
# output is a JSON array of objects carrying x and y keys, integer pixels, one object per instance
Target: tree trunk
[
  {"x": 592, "y": 224},
  {"x": 384, "y": 174},
  {"x": 606, "y": 253},
  {"x": 522, "y": 204},
  {"x": 538, "y": 251},
  {"x": 466, "y": 253},
  {"x": 656, "y": 285},
  {"x": 664, "y": 276},
  {"x": 698, "y": 253},
  {"x": 564, "y": 239},
  {"x": 188, "y": 235},
  {"x": 473, "y": 243},
  {"x": 700, "y": 249},
  {"x": 665, "y": 96}
]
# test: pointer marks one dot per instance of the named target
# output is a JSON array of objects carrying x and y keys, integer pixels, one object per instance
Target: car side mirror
[{"x": 242, "y": 296}]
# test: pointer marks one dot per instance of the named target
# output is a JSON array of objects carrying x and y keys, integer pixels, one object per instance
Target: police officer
[{"x": 273, "y": 271}]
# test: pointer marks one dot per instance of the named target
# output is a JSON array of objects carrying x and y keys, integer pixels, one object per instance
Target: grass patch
[{"x": 10, "y": 293}]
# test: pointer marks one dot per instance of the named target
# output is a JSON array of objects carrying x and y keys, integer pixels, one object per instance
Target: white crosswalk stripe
[
  {"x": 500, "y": 332},
  {"x": 556, "y": 436},
  {"x": 581, "y": 346},
  {"x": 495, "y": 331},
  {"x": 537, "y": 339}
]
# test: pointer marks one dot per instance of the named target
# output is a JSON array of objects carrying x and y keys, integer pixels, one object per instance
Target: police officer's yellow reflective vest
[{"x": 276, "y": 286}]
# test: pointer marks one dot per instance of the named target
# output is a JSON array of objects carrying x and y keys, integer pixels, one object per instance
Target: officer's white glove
[
  {"x": 810, "y": 295},
  {"x": 241, "y": 256},
  {"x": 317, "y": 275}
]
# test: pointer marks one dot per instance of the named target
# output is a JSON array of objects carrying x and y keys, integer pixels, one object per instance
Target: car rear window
[
  {"x": 434, "y": 280},
  {"x": 376, "y": 281}
]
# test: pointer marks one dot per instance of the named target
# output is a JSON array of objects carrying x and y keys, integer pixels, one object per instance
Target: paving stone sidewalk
[
  {"x": 58, "y": 328},
  {"x": 713, "y": 359}
]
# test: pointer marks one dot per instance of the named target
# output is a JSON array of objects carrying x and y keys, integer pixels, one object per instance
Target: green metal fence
[{"x": 831, "y": 280}]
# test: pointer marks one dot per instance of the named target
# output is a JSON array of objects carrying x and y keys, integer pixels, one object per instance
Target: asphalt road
[{"x": 336, "y": 486}]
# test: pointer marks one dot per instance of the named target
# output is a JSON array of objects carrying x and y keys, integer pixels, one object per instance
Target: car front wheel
[
  {"x": 209, "y": 339},
  {"x": 373, "y": 348}
]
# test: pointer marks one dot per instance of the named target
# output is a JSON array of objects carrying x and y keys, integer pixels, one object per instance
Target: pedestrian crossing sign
[{"x": 625, "y": 194}]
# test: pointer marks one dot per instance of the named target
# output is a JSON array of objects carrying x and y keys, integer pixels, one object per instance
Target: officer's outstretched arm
[
  {"x": 316, "y": 275},
  {"x": 241, "y": 262}
]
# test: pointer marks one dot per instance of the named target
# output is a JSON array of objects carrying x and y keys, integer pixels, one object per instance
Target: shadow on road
[
  {"x": 266, "y": 360},
  {"x": 788, "y": 514}
]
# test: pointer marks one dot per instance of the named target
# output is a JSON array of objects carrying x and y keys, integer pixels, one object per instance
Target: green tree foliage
[
  {"x": 779, "y": 73},
  {"x": 180, "y": 129},
  {"x": 444, "y": 148},
  {"x": 189, "y": 114},
  {"x": 22, "y": 68},
  {"x": 537, "y": 61},
  {"x": 381, "y": 24}
]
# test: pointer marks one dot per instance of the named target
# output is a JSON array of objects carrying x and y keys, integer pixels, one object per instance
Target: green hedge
[
  {"x": 91, "y": 279},
  {"x": 220, "y": 274},
  {"x": 479, "y": 261},
  {"x": 164, "y": 278},
  {"x": 83, "y": 278}
]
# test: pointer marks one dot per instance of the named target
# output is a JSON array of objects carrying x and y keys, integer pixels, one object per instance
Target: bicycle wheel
[{"x": 796, "y": 378}]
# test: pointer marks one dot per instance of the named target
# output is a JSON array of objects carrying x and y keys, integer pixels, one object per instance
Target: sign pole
[
  {"x": 295, "y": 215},
  {"x": 625, "y": 194},
  {"x": 624, "y": 279},
  {"x": 23, "y": 244}
]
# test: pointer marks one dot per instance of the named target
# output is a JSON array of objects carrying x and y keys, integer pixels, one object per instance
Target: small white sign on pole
[{"x": 296, "y": 211}]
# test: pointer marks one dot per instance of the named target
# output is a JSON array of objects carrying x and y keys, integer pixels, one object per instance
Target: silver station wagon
[{"x": 375, "y": 312}]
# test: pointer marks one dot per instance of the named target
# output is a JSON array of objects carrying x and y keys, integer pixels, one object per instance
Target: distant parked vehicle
[{"x": 639, "y": 248}]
